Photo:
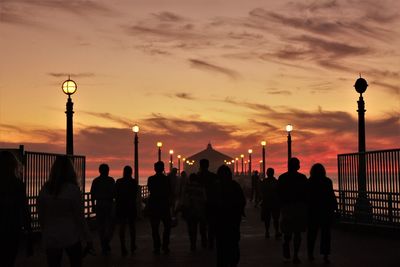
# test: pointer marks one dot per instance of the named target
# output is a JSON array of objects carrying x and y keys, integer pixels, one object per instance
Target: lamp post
[
  {"x": 69, "y": 87},
  {"x": 135, "y": 129},
  {"x": 362, "y": 209},
  {"x": 263, "y": 144},
  {"x": 171, "y": 152},
  {"x": 179, "y": 165},
  {"x": 159, "y": 145},
  {"x": 242, "y": 157},
  {"x": 250, "y": 151},
  {"x": 289, "y": 128},
  {"x": 237, "y": 166}
]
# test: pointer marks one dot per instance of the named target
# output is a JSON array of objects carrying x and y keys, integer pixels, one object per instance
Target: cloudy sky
[{"x": 189, "y": 72}]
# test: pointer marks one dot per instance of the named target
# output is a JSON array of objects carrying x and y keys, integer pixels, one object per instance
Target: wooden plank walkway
[{"x": 348, "y": 249}]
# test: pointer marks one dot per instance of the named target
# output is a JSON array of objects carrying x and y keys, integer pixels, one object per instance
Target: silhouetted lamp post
[
  {"x": 237, "y": 166},
  {"x": 135, "y": 129},
  {"x": 363, "y": 208},
  {"x": 242, "y": 157},
  {"x": 250, "y": 152},
  {"x": 159, "y": 145},
  {"x": 179, "y": 164},
  {"x": 289, "y": 129},
  {"x": 69, "y": 87},
  {"x": 171, "y": 153},
  {"x": 263, "y": 144}
]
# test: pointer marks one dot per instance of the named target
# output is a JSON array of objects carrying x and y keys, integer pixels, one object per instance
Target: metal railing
[
  {"x": 384, "y": 208},
  {"x": 381, "y": 171}
]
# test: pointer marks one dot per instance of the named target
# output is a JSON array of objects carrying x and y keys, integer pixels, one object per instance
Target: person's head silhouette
[
  {"x": 62, "y": 172},
  {"x": 159, "y": 167},
  {"x": 174, "y": 171},
  {"x": 224, "y": 173},
  {"x": 204, "y": 164},
  {"x": 270, "y": 172},
  {"x": 317, "y": 171},
  {"x": 193, "y": 177},
  {"x": 127, "y": 172},
  {"x": 294, "y": 164},
  {"x": 104, "y": 169},
  {"x": 183, "y": 174}
]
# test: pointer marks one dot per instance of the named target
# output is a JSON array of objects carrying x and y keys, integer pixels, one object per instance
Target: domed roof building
[{"x": 215, "y": 158}]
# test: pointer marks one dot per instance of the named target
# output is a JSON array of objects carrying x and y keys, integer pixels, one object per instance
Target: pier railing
[{"x": 385, "y": 208}]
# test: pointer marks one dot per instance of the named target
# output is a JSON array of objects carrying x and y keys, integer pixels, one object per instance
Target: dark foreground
[{"x": 349, "y": 248}]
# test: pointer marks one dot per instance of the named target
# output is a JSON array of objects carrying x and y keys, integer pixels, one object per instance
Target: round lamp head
[
  {"x": 179, "y": 156},
  {"x": 250, "y": 151},
  {"x": 184, "y": 159},
  {"x": 289, "y": 128},
  {"x": 171, "y": 151},
  {"x": 69, "y": 87},
  {"x": 236, "y": 159},
  {"x": 263, "y": 143},
  {"x": 361, "y": 85},
  {"x": 135, "y": 128},
  {"x": 242, "y": 156},
  {"x": 159, "y": 144}
]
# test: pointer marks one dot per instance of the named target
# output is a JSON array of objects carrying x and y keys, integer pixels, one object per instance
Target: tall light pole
[
  {"x": 263, "y": 144},
  {"x": 289, "y": 128},
  {"x": 250, "y": 161},
  {"x": 171, "y": 153},
  {"x": 242, "y": 157},
  {"x": 135, "y": 129},
  {"x": 237, "y": 166},
  {"x": 362, "y": 209},
  {"x": 69, "y": 87},
  {"x": 179, "y": 165},
  {"x": 159, "y": 145}
]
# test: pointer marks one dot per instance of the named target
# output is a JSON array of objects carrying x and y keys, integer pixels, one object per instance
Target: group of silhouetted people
[
  {"x": 211, "y": 204},
  {"x": 297, "y": 204}
]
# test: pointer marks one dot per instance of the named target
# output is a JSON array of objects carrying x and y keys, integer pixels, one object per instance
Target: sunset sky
[{"x": 189, "y": 72}]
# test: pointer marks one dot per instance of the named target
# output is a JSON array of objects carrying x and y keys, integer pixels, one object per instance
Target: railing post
[{"x": 390, "y": 208}]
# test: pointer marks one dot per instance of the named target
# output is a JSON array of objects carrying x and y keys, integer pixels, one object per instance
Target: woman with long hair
[
  {"x": 321, "y": 206},
  {"x": 61, "y": 215}
]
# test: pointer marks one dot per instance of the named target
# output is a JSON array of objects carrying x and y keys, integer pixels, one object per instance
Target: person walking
[
  {"x": 208, "y": 180},
  {"x": 255, "y": 178},
  {"x": 14, "y": 210},
  {"x": 102, "y": 195},
  {"x": 194, "y": 211},
  {"x": 270, "y": 203},
  {"x": 322, "y": 204},
  {"x": 292, "y": 187},
  {"x": 61, "y": 215},
  {"x": 159, "y": 207},
  {"x": 126, "y": 193},
  {"x": 228, "y": 202}
]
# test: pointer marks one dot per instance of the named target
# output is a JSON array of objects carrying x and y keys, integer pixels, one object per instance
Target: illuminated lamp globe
[
  {"x": 69, "y": 87},
  {"x": 361, "y": 85},
  {"x": 250, "y": 151},
  {"x": 263, "y": 143},
  {"x": 289, "y": 128},
  {"x": 135, "y": 128},
  {"x": 159, "y": 144}
]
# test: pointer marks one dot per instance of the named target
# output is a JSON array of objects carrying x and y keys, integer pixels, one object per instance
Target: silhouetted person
[
  {"x": 173, "y": 181},
  {"x": 126, "y": 192},
  {"x": 228, "y": 201},
  {"x": 61, "y": 215},
  {"x": 103, "y": 194},
  {"x": 270, "y": 203},
  {"x": 194, "y": 210},
  {"x": 14, "y": 210},
  {"x": 255, "y": 179},
  {"x": 292, "y": 195},
  {"x": 321, "y": 206},
  {"x": 159, "y": 207},
  {"x": 208, "y": 180}
]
